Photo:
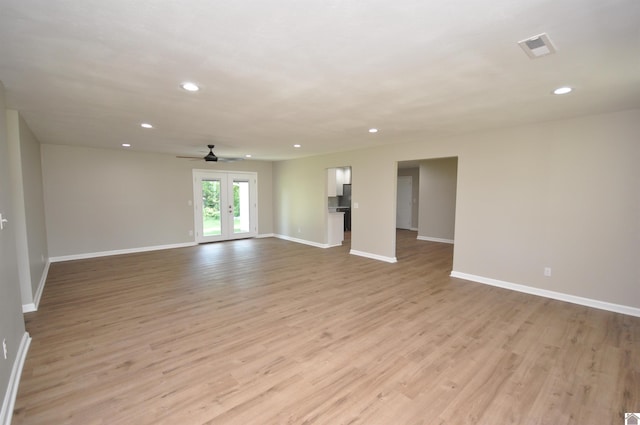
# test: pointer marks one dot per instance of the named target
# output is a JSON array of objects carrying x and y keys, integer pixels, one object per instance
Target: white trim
[
  {"x": 430, "y": 239},
  {"x": 374, "y": 256},
  {"x": 43, "y": 281},
  {"x": 6, "y": 414},
  {"x": 266, "y": 235},
  {"x": 602, "y": 305},
  {"x": 302, "y": 241},
  {"x": 31, "y": 307},
  {"x": 414, "y": 229},
  {"x": 119, "y": 252}
]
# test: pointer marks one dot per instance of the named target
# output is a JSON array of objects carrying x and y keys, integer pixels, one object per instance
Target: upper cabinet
[
  {"x": 339, "y": 181},
  {"x": 332, "y": 189},
  {"x": 336, "y": 178},
  {"x": 347, "y": 175}
]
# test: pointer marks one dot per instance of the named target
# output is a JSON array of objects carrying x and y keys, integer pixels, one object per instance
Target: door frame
[{"x": 228, "y": 178}]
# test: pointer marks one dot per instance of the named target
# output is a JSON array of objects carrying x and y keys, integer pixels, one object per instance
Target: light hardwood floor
[{"x": 266, "y": 331}]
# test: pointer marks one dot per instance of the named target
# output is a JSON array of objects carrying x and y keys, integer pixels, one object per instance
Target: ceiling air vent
[{"x": 537, "y": 46}]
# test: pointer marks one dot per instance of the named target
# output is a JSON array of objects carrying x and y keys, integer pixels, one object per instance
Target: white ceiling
[{"x": 314, "y": 72}]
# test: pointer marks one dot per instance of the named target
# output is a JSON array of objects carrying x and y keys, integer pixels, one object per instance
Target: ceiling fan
[{"x": 211, "y": 157}]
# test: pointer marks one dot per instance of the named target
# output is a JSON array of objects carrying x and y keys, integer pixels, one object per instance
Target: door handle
[{"x": 2, "y": 222}]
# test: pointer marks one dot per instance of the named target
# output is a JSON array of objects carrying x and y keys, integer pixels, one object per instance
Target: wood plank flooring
[{"x": 266, "y": 331}]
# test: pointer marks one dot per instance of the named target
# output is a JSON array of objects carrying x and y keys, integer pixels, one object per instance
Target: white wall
[
  {"x": 562, "y": 194},
  {"x": 414, "y": 173},
  {"x": 11, "y": 320},
  {"x": 438, "y": 184},
  {"x": 31, "y": 241},
  {"x": 300, "y": 200},
  {"x": 101, "y": 200}
]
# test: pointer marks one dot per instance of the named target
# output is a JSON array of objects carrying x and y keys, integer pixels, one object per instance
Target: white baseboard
[
  {"x": 28, "y": 308},
  {"x": 266, "y": 235},
  {"x": 602, "y": 305},
  {"x": 119, "y": 252},
  {"x": 352, "y": 252},
  {"x": 302, "y": 241},
  {"x": 373, "y": 256},
  {"x": 9, "y": 400},
  {"x": 427, "y": 238}
]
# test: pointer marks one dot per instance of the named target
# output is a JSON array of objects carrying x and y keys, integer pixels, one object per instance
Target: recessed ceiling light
[
  {"x": 188, "y": 86},
  {"x": 146, "y": 125},
  {"x": 373, "y": 130},
  {"x": 562, "y": 90},
  {"x": 247, "y": 156},
  {"x": 126, "y": 145},
  {"x": 296, "y": 146}
]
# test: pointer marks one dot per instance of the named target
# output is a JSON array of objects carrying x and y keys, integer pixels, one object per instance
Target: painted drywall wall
[
  {"x": 438, "y": 182},
  {"x": 26, "y": 177},
  {"x": 414, "y": 173},
  {"x": 563, "y": 194},
  {"x": 300, "y": 203},
  {"x": 11, "y": 320},
  {"x": 34, "y": 204},
  {"x": 101, "y": 200}
]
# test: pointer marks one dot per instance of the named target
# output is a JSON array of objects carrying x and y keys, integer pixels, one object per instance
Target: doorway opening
[
  {"x": 429, "y": 213},
  {"x": 339, "y": 206}
]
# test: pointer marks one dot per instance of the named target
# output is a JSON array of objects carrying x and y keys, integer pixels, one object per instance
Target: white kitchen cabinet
[
  {"x": 336, "y": 179},
  {"x": 347, "y": 175},
  {"x": 339, "y": 181},
  {"x": 335, "y": 229},
  {"x": 331, "y": 183}
]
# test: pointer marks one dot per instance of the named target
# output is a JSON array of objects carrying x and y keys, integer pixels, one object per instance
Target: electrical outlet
[
  {"x": 190, "y": 232},
  {"x": 4, "y": 347},
  {"x": 299, "y": 230},
  {"x": 547, "y": 271}
]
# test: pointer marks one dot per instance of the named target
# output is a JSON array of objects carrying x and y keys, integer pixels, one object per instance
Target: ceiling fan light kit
[{"x": 211, "y": 157}]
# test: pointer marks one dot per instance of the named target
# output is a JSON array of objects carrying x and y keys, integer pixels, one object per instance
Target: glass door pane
[
  {"x": 211, "y": 224},
  {"x": 241, "y": 209}
]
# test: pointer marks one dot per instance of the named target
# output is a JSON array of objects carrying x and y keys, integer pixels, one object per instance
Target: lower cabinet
[{"x": 335, "y": 228}]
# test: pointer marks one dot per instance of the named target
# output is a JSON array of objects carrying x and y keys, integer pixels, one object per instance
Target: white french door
[{"x": 225, "y": 205}]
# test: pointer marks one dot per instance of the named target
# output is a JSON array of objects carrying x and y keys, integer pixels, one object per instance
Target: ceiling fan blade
[{"x": 189, "y": 157}]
